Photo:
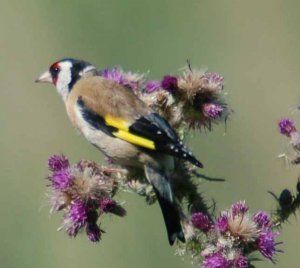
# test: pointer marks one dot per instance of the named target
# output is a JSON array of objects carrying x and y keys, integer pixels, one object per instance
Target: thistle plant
[
  {"x": 193, "y": 100},
  {"x": 231, "y": 238},
  {"x": 84, "y": 192},
  {"x": 288, "y": 203}
]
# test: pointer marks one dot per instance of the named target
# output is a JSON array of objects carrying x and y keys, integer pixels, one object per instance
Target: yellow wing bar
[
  {"x": 116, "y": 122},
  {"x": 124, "y": 134},
  {"x": 134, "y": 139}
]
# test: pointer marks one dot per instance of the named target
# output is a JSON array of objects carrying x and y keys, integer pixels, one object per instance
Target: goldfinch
[{"x": 121, "y": 126}]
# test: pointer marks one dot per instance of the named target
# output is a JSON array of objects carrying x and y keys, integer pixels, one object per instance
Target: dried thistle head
[
  {"x": 158, "y": 100},
  {"x": 164, "y": 103},
  {"x": 242, "y": 227},
  {"x": 84, "y": 192},
  {"x": 228, "y": 240},
  {"x": 202, "y": 97},
  {"x": 90, "y": 181},
  {"x": 193, "y": 84},
  {"x": 190, "y": 83}
]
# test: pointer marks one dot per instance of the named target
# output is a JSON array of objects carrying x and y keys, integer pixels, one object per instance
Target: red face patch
[{"x": 54, "y": 70}]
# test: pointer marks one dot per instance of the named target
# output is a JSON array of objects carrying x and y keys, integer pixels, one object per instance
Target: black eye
[{"x": 55, "y": 70}]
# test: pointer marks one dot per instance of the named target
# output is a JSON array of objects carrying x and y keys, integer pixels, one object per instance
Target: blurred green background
[{"x": 254, "y": 44}]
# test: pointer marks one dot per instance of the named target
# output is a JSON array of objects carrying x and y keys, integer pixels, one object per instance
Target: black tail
[
  {"x": 163, "y": 190},
  {"x": 171, "y": 218}
]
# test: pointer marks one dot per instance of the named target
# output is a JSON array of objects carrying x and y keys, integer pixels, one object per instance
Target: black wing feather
[{"x": 157, "y": 129}]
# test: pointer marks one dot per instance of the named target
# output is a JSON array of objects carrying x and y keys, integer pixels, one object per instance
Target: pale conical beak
[{"x": 44, "y": 78}]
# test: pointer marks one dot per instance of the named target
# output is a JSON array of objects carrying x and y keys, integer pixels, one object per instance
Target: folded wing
[{"x": 150, "y": 131}]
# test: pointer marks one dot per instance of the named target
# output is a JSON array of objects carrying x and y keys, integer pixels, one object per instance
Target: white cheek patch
[{"x": 64, "y": 79}]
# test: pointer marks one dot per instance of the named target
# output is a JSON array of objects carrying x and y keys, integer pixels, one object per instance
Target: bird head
[{"x": 65, "y": 73}]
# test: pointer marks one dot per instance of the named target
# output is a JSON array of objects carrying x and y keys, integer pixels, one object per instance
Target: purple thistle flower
[
  {"x": 262, "y": 219},
  {"x": 58, "y": 162},
  {"x": 93, "y": 232},
  {"x": 152, "y": 86},
  {"x": 114, "y": 74},
  {"x": 216, "y": 260},
  {"x": 61, "y": 179},
  {"x": 169, "y": 83},
  {"x": 127, "y": 79},
  {"x": 239, "y": 208},
  {"x": 214, "y": 80},
  {"x": 286, "y": 126},
  {"x": 201, "y": 221},
  {"x": 108, "y": 205},
  {"x": 241, "y": 262},
  {"x": 221, "y": 223},
  {"x": 266, "y": 243},
  {"x": 76, "y": 217},
  {"x": 212, "y": 110}
]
